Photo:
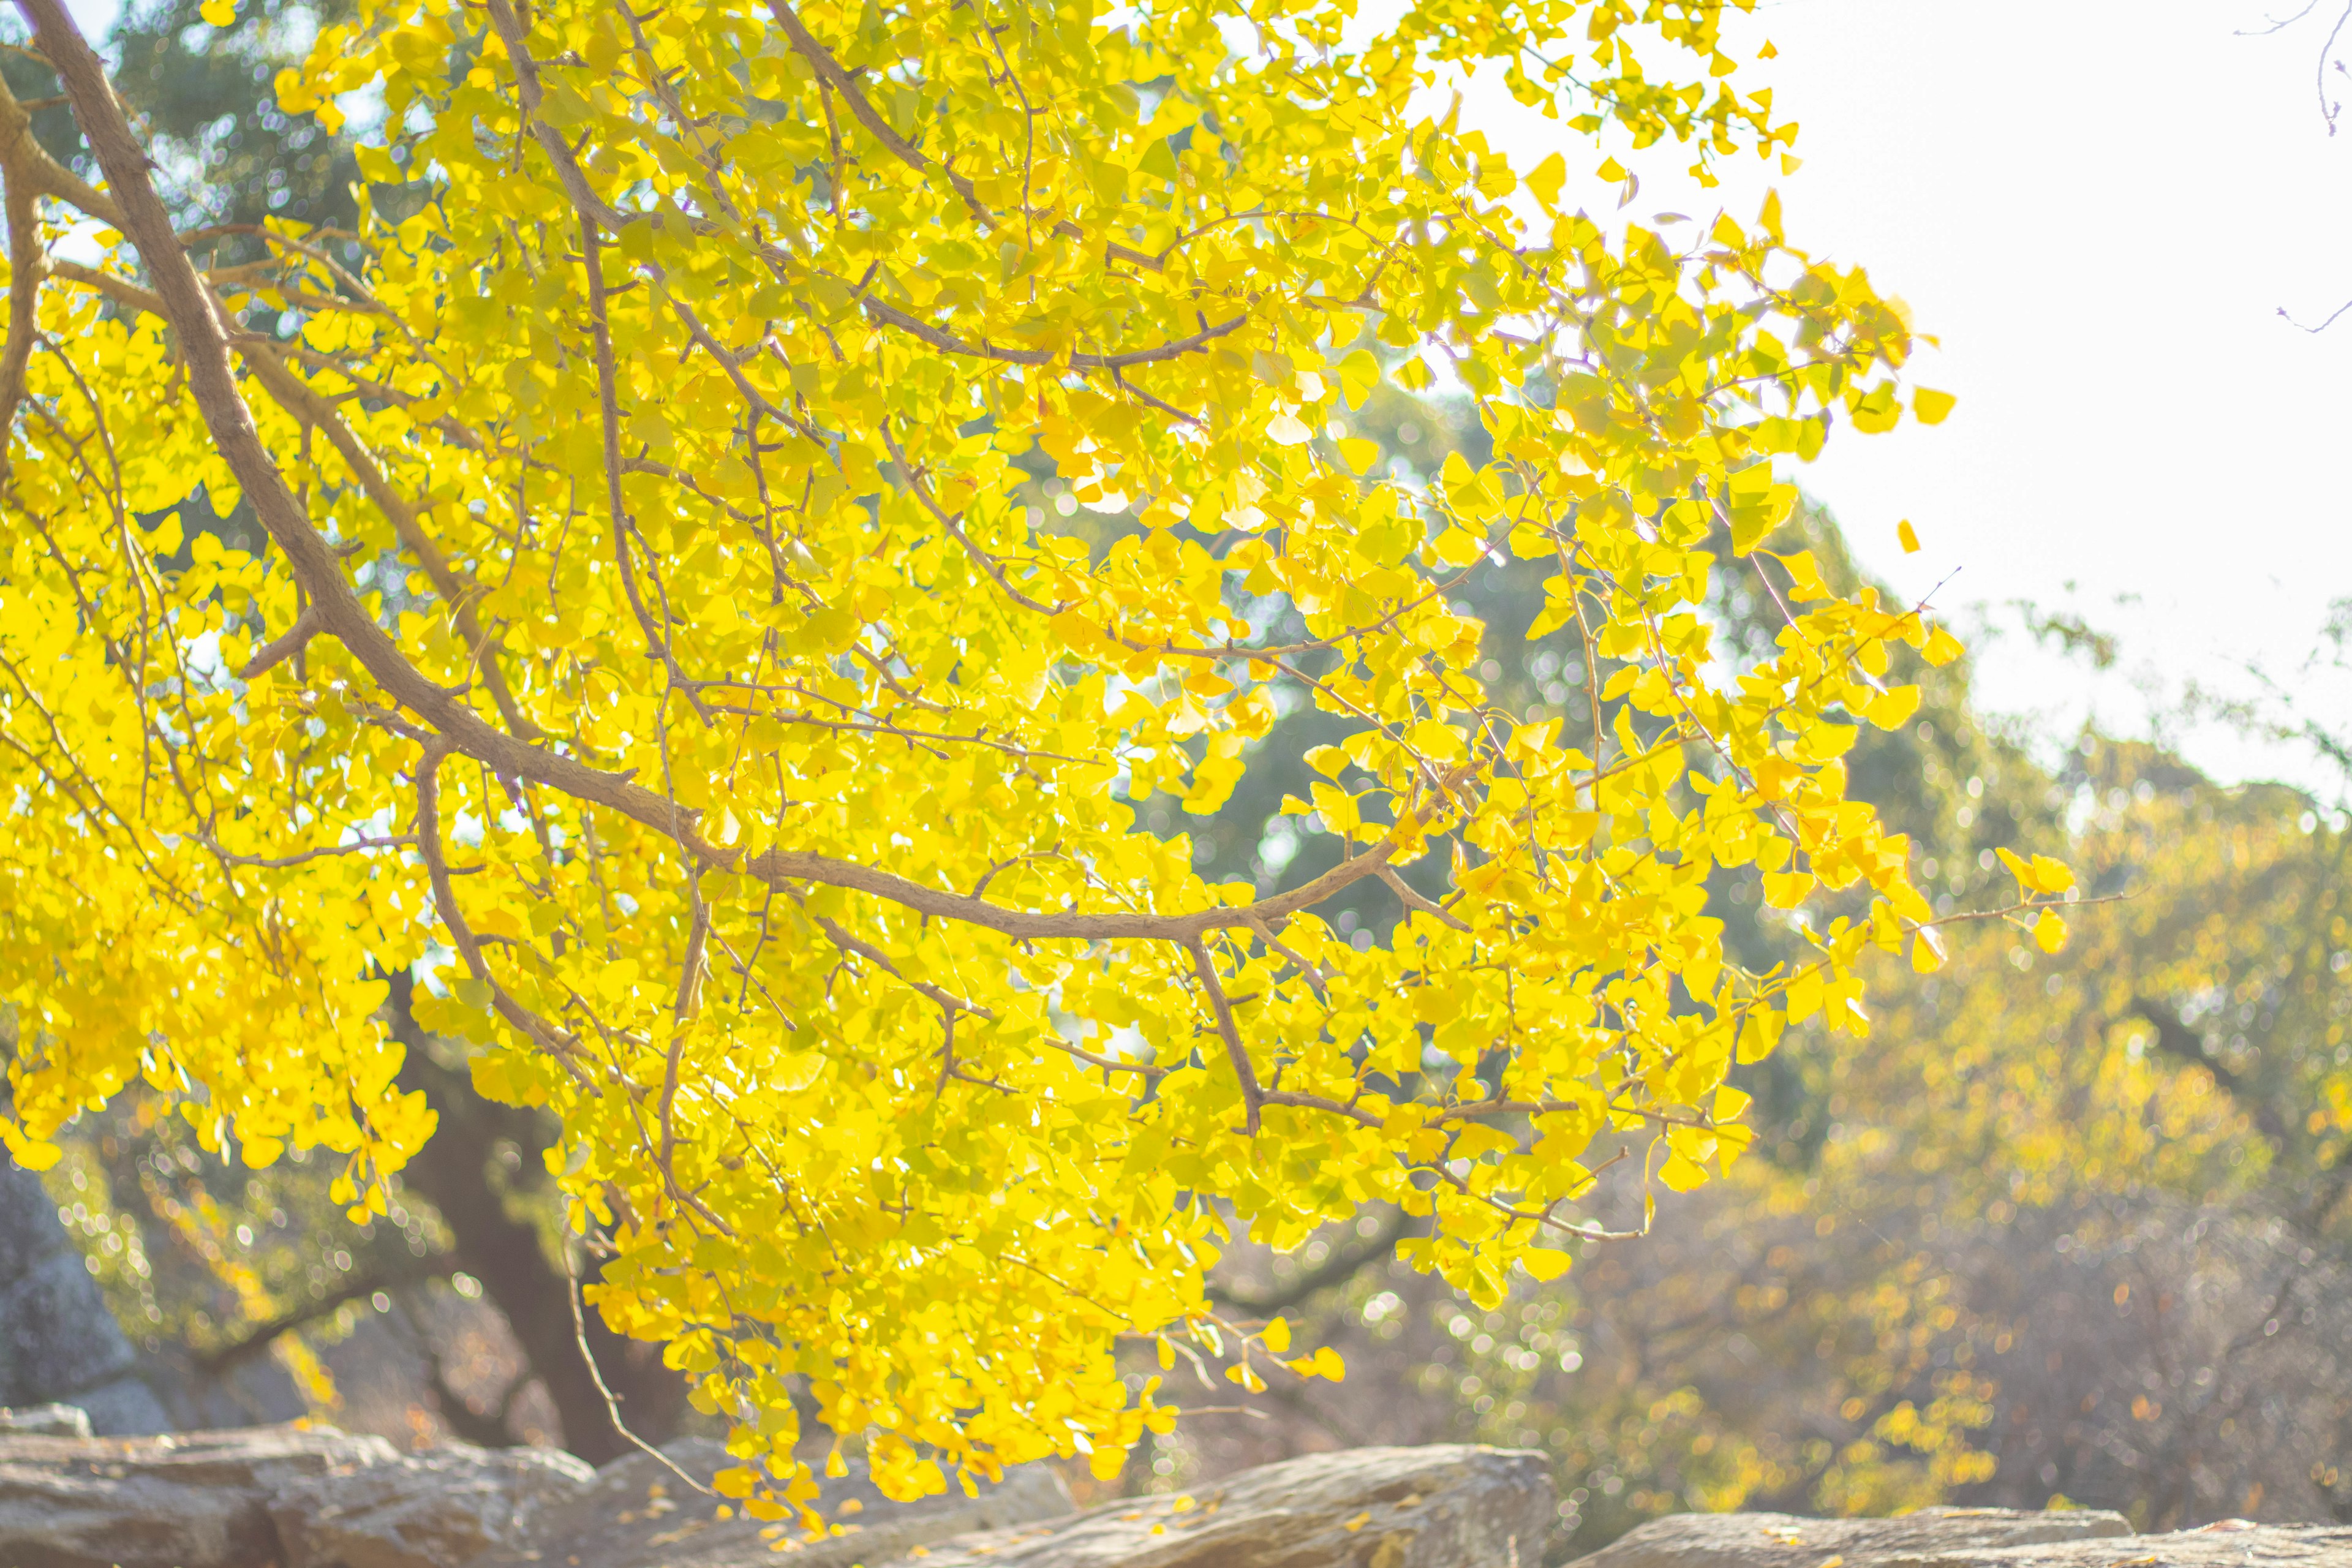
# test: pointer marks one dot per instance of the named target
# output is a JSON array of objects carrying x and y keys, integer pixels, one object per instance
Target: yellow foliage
[{"x": 657, "y": 651}]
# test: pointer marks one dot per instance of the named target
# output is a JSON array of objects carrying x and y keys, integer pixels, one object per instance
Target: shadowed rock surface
[
  {"x": 450, "y": 1505},
  {"x": 290, "y": 1498},
  {"x": 639, "y": 1514},
  {"x": 1931, "y": 1537},
  {"x": 57, "y": 1341},
  {"x": 1443, "y": 1507},
  {"x": 195, "y": 1501},
  {"x": 1967, "y": 1538},
  {"x": 2229, "y": 1543},
  {"x": 284, "y": 1497}
]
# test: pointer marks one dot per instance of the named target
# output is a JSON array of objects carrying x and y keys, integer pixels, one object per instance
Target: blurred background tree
[{"x": 2082, "y": 1241}]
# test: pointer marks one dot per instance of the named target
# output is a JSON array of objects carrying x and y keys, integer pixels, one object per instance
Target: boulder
[
  {"x": 640, "y": 1514},
  {"x": 1931, "y": 1537},
  {"x": 448, "y": 1506},
  {"x": 2229, "y": 1543},
  {"x": 194, "y": 1501},
  {"x": 57, "y": 1341},
  {"x": 1438, "y": 1506}
]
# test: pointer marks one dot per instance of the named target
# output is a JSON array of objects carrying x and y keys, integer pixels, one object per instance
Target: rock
[
  {"x": 639, "y": 1514},
  {"x": 57, "y": 1341},
  {"x": 447, "y": 1506},
  {"x": 2229, "y": 1543},
  {"x": 1439, "y": 1507},
  {"x": 1931, "y": 1537},
  {"x": 46, "y": 1421},
  {"x": 198, "y": 1501}
]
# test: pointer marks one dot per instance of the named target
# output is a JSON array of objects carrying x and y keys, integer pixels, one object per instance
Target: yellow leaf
[
  {"x": 219, "y": 12},
  {"x": 1360, "y": 373},
  {"x": 2049, "y": 931},
  {"x": 1680, "y": 1173},
  {"x": 375, "y": 163},
  {"x": 1891, "y": 708},
  {"x": 1786, "y": 890},
  {"x": 1544, "y": 1266},
  {"x": 1927, "y": 950},
  {"x": 1545, "y": 179},
  {"x": 1930, "y": 408},
  {"x": 1908, "y": 536},
  {"x": 2048, "y": 875},
  {"x": 1805, "y": 576},
  {"x": 33, "y": 1154}
]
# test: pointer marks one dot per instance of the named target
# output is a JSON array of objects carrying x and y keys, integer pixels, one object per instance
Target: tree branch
[
  {"x": 220, "y": 1361},
  {"x": 1336, "y": 1269}
]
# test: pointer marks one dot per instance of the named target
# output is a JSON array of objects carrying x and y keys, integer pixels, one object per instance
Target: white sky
[{"x": 2099, "y": 207}]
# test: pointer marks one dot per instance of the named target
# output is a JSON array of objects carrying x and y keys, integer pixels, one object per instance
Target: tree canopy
[{"x": 651, "y": 647}]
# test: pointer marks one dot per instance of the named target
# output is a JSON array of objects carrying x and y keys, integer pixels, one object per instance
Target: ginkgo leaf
[
  {"x": 1546, "y": 1266},
  {"x": 2049, "y": 931},
  {"x": 1930, "y": 408},
  {"x": 1545, "y": 179},
  {"x": 1360, "y": 373}
]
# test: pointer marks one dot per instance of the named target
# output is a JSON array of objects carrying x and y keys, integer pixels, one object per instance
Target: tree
[
  {"x": 2067, "y": 1225},
  {"x": 650, "y": 649}
]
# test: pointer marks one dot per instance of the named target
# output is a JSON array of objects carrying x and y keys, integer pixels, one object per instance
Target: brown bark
[{"x": 510, "y": 1256}]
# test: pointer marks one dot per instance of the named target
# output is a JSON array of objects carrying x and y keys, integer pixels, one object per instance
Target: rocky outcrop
[
  {"x": 440, "y": 1509},
  {"x": 291, "y": 1498},
  {"x": 640, "y": 1514},
  {"x": 1931, "y": 1537},
  {"x": 2229, "y": 1543},
  {"x": 57, "y": 1341},
  {"x": 1443, "y": 1507},
  {"x": 287, "y": 1497},
  {"x": 1966, "y": 1538},
  {"x": 196, "y": 1502}
]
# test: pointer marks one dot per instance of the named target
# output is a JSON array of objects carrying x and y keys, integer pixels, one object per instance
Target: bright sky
[{"x": 2099, "y": 207}]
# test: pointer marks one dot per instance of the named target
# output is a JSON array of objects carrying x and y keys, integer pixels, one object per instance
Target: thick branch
[
  {"x": 1078, "y": 925},
  {"x": 205, "y": 345},
  {"x": 228, "y": 1357},
  {"x": 23, "y": 155},
  {"x": 28, "y": 260},
  {"x": 830, "y": 71},
  {"x": 281, "y": 647},
  {"x": 2178, "y": 1040},
  {"x": 948, "y": 342},
  {"x": 1337, "y": 1268},
  {"x": 297, "y": 397},
  {"x": 1236, "y": 1052}
]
